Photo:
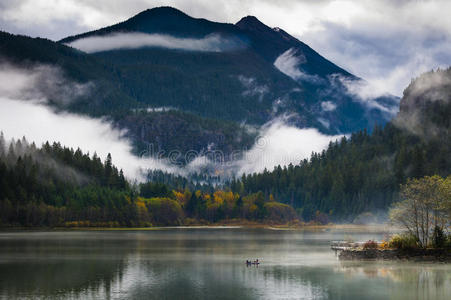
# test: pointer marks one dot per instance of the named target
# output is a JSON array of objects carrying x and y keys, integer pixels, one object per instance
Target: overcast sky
[{"x": 386, "y": 42}]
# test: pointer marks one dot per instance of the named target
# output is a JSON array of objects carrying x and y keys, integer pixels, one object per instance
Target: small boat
[{"x": 255, "y": 262}]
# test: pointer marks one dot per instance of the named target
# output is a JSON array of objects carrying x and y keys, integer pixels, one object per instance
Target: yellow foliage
[
  {"x": 228, "y": 197},
  {"x": 252, "y": 208},
  {"x": 384, "y": 245},
  {"x": 180, "y": 197},
  {"x": 141, "y": 205},
  {"x": 218, "y": 197}
]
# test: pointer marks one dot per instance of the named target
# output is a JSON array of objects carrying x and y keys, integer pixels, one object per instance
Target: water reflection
[
  {"x": 404, "y": 280},
  {"x": 204, "y": 263}
]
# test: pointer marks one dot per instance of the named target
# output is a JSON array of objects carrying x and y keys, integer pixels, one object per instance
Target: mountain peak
[
  {"x": 161, "y": 20},
  {"x": 162, "y": 10},
  {"x": 251, "y": 23},
  {"x": 161, "y": 14}
]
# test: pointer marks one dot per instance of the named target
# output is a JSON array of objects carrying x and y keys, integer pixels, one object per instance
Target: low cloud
[
  {"x": 40, "y": 83},
  {"x": 39, "y": 124},
  {"x": 368, "y": 94},
  {"x": 278, "y": 144},
  {"x": 134, "y": 40},
  {"x": 361, "y": 88},
  {"x": 281, "y": 144},
  {"x": 288, "y": 63}
]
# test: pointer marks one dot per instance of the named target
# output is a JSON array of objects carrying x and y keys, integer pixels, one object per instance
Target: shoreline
[{"x": 350, "y": 227}]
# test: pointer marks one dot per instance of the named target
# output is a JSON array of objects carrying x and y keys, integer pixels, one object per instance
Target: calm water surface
[{"x": 204, "y": 264}]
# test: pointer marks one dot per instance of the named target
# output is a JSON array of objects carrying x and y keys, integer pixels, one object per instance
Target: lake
[{"x": 205, "y": 263}]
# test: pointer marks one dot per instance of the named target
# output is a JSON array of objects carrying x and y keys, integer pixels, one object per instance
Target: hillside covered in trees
[
  {"x": 57, "y": 186},
  {"x": 363, "y": 173}
]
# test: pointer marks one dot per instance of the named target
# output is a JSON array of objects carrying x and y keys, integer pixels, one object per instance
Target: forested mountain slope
[
  {"x": 363, "y": 173},
  {"x": 245, "y": 82}
]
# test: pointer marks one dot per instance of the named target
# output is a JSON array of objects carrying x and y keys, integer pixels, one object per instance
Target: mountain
[
  {"x": 247, "y": 83},
  {"x": 212, "y": 77},
  {"x": 108, "y": 99},
  {"x": 364, "y": 173}
]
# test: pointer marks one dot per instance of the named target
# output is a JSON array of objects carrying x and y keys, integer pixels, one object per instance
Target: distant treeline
[{"x": 57, "y": 186}]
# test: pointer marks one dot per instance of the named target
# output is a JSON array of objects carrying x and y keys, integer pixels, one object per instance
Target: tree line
[{"x": 58, "y": 186}]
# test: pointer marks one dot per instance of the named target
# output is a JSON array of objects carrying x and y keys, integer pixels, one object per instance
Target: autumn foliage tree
[{"x": 424, "y": 208}]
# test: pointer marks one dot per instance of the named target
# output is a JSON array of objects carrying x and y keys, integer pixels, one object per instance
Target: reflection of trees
[
  {"x": 59, "y": 267},
  {"x": 367, "y": 280},
  {"x": 407, "y": 280}
]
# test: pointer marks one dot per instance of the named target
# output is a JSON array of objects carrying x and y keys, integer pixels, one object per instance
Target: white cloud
[
  {"x": 367, "y": 93},
  {"x": 288, "y": 63},
  {"x": 40, "y": 83},
  {"x": 282, "y": 144},
  {"x": 328, "y": 106},
  {"x": 133, "y": 40}
]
